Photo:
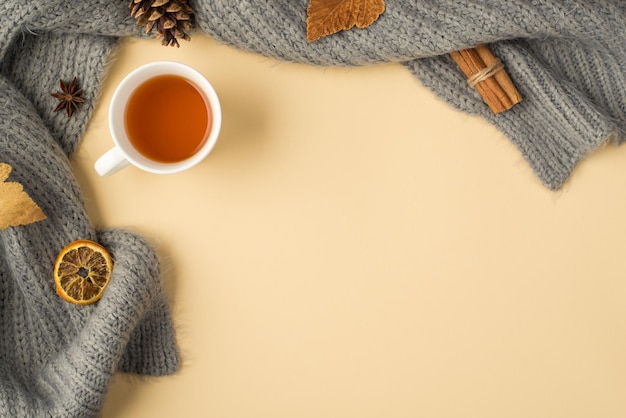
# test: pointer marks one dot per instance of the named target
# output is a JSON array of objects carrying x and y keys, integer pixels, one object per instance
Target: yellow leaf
[
  {"x": 325, "y": 17},
  {"x": 16, "y": 207}
]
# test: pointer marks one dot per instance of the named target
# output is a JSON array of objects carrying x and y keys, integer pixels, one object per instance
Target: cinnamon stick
[{"x": 487, "y": 75}]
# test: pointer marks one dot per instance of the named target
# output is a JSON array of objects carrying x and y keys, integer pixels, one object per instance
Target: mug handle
[{"x": 111, "y": 162}]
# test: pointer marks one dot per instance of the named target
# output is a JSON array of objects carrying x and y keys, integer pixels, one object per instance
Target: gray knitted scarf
[{"x": 567, "y": 58}]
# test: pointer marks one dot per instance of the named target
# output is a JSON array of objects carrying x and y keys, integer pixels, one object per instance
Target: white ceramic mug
[{"x": 124, "y": 153}]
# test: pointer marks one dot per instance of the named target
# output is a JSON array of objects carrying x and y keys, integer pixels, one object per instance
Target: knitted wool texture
[{"x": 56, "y": 359}]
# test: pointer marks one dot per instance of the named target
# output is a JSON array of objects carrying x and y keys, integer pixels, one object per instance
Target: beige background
[{"x": 354, "y": 247}]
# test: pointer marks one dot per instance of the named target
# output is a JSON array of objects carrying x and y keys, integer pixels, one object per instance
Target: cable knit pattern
[
  {"x": 565, "y": 57},
  {"x": 56, "y": 359}
]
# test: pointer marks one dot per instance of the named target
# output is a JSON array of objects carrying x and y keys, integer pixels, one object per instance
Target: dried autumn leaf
[
  {"x": 325, "y": 17},
  {"x": 16, "y": 207}
]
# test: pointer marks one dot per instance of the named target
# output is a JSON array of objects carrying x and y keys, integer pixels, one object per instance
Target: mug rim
[{"x": 129, "y": 84}]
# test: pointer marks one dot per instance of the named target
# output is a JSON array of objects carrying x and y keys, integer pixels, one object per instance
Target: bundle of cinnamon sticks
[{"x": 487, "y": 75}]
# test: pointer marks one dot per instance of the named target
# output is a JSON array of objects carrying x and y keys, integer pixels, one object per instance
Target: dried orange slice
[{"x": 82, "y": 271}]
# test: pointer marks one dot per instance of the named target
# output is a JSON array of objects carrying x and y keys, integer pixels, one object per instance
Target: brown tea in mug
[{"x": 168, "y": 118}]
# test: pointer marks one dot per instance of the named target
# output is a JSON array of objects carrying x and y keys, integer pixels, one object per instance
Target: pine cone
[{"x": 170, "y": 17}]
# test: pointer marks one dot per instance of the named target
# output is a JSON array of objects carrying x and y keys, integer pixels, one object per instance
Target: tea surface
[{"x": 167, "y": 118}]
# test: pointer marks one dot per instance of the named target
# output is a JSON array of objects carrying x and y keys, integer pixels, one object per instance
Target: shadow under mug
[{"x": 124, "y": 153}]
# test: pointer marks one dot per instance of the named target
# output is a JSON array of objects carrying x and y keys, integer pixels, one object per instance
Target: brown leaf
[
  {"x": 325, "y": 17},
  {"x": 16, "y": 207}
]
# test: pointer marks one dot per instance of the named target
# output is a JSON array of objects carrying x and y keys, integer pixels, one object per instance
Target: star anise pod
[{"x": 69, "y": 97}]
